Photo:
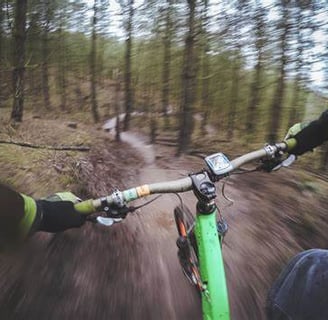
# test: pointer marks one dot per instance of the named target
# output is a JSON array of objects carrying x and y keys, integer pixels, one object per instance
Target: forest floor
[{"x": 130, "y": 271}]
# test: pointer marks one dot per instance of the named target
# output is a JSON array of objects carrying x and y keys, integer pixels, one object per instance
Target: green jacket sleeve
[{"x": 17, "y": 214}]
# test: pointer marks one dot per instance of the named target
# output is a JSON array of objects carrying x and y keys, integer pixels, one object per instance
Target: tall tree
[
  {"x": 166, "y": 73},
  {"x": 260, "y": 36},
  {"x": 236, "y": 42},
  {"x": 189, "y": 79},
  {"x": 283, "y": 31},
  {"x": 93, "y": 56},
  {"x": 47, "y": 15},
  {"x": 205, "y": 60},
  {"x": 2, "y": 16},
  {"x": 302, "y": 29},
  {"x": 62, "y": 57},
  {"x": 128, "y": 13},
  {"x": 19, "y": 60}
]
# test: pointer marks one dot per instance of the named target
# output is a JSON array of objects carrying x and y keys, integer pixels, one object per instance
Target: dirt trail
[
  {"x": 260, "y": 240},
  {"x": 130, "y": 271},
  {"x": 175, "y": 297}
]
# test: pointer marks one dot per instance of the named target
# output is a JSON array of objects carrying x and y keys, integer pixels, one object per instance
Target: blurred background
[
  {"x": 250, "y": 69},
  {"x": 182, "y": 78}
]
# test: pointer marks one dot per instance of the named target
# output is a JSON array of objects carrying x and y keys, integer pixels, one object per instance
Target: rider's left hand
[{"x": 57, "y": 213}]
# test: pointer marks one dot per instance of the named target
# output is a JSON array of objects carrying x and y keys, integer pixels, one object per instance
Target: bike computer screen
[{"x": 218, "y": 163}]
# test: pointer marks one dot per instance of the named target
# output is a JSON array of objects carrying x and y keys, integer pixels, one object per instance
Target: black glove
[
  {"x": 57, "y": 216},
  {"x": 312, "y": 136}
]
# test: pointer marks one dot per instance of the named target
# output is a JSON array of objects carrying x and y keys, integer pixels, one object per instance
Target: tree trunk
[
  {"x": 205, "y": 70},
  {"x": 127, "y": 73},
  {"x": 233, "y": 98},
  {"x": 62, "y": 83},
  {"x": 19, "y": 60},
  {"x": 45, "y": 56},
  {"x": 1, "y": 52},
  {"x": 167, "y": 42},
  {"x": 295, "y": 112},
  {"x": 254, "y": 101},
  {"x": 188, "y": 83},
  {"x": 93, "y": 53},
  {"x": 276, "y": 106},
  {"x": 117, "y": 108}
]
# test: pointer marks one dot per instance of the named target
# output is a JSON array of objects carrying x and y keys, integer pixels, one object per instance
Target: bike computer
[{"x": 218, "y": 163}]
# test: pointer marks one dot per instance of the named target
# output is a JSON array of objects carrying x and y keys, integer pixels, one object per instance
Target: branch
[{"x": 36, "y": 146}]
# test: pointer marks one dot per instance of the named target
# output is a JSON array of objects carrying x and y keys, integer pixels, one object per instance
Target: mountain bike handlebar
[{"x": 120, "y": 198}]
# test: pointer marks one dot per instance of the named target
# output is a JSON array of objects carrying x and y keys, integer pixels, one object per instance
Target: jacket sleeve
[
  {"x": 313, "y": 135},
  {"x": 17, "y": 214}
]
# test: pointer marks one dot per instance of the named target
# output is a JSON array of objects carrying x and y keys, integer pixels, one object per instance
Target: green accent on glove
[
  {"x": 296, "y": 128},
  {"x": 29, "y": 215},
  {"x": 63, "y": 196}
]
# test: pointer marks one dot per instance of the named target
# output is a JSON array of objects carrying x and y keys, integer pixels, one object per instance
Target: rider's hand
[
  {"x": 295, "y": 129},
  {"x": 57, "y": 213}
]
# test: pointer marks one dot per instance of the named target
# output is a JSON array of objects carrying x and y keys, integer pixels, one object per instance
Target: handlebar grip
[
  {"x": 291, "y": 143},
  {"x": 85, "y": 207}
]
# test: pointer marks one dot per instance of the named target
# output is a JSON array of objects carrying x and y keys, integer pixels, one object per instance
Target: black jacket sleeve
[
  {"x": 313, "y": 135},
  {"x": 11, "y": 213}
]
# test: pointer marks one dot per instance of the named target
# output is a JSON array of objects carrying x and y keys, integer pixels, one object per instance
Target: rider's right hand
[
  {"x": 295, "y": 129},
  {"x": 309, "y": 135}
]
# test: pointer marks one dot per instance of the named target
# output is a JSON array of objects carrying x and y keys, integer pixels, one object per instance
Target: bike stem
[{"x": 205, "y": 191}]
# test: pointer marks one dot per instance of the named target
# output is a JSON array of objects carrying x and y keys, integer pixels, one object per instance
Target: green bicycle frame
[{"x": 215, "y": 301}]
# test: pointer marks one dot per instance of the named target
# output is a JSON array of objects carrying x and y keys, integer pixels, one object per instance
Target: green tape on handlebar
[
  {"x": 85, "y": 207},
  {"x": 291, "y": 143},
  {"x": 130, "y": 194}
]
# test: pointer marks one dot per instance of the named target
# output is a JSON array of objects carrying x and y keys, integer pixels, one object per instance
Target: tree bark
[
  {"x": 45, "y": 55},
  {"x": 188, "y": 84},
  {"x": 254, "y": 100},
  {"x": 19, "y": 60},
  {"x": 167, "y": 42},
  {"x": 117, "y": 108},
  {"x": 295, "y": 112},
  {"x": 234, "y": 93},
  {"x": 1, "y": 51},
  {"x": 276, "y": 106},
  {"x": 127, "y": 73},
  {"x": 62, "y": 83},
  {"x": 205, "y": 69},
  {"x": 93, "y": 52}
]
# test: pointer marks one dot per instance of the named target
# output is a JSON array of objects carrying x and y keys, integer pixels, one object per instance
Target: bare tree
[
  {"x": 46, "y": 20},
  {"x": 276, "y": 105},
  {"x": 167, "y": 43},
  {"x": 93, "y": 71},
  {"x": 19, "y": 59},
  {"x": 188, "y": 82},
  {"x": 128, "y": 13},
  {"x": 205, "y": 67},
  {"x": 255, "y": 87}
]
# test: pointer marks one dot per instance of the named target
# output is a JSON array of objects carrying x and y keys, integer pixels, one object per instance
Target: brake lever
[
  {"x": 286, "y": 163},
  {"x": 107, "y": 222},
  {"x": 276, "y": 163}
]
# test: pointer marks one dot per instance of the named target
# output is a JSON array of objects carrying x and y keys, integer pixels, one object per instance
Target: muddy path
[{"x": 130, "y": 271}]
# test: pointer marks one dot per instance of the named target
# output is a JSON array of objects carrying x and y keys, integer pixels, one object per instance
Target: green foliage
[{"x": 234, "y": 35}]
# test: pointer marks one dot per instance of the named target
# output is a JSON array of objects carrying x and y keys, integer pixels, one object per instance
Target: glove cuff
[{"x": 27, "y": 223}]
